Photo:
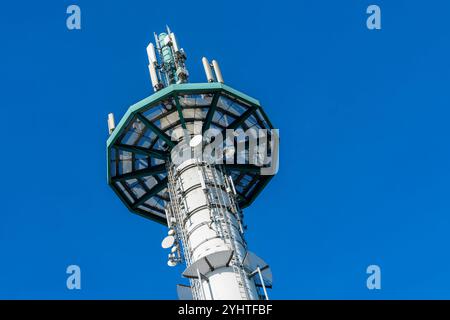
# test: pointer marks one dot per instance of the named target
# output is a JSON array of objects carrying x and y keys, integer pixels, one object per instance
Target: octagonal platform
[{"x": 139, "y": 147}]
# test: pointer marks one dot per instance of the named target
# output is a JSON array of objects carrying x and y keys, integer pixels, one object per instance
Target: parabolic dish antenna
[
  {"x": 171, "y": 263},
  {"x": 195, "y": 141},
  {"x": 168, "y": 242}
]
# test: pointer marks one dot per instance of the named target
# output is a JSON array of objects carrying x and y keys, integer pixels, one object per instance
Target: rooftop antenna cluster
[
  {"x": 170, "y": 68},
  {"x": 199, "y": 202}
]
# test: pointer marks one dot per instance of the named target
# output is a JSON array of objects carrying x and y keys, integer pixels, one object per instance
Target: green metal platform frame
[{"x": 174, "y": 91}]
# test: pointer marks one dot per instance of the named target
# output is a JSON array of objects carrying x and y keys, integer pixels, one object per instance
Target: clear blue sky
[{"x": 363, "y": 118}]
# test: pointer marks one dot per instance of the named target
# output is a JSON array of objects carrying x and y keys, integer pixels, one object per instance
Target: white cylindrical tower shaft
[{"x": 211, "y": 233}]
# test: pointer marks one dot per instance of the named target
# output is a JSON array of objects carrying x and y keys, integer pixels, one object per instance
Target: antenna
[
  {"x": 151, "y": 54},
  {"x": 157, "y": 41},
  {"x": 174, "y": 42},
  {"x": 208, "y": 71},
  {"x": 111, "y": 123},
  {"x": 172, "y": 68},
  {"x": 217, "y": 71},
  {"x": 153, "y": 63},
  {"x": 168, "y": 242}
]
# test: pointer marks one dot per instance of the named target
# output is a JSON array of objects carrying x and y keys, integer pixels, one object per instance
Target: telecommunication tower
[{"x": 158, "y": 166}]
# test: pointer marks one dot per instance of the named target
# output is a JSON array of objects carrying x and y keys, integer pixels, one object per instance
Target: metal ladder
[
  {"x": 224, "y": 218},
  {"x": 238, "y": 215},
  {"x": 214, "y": 211}
]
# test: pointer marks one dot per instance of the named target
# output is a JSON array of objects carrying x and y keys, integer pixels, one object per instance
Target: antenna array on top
[{"x": 170, "y": 67}]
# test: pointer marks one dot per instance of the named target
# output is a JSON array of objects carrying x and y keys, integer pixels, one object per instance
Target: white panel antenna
[
  {"x": 208, "y": 71},
  {"x": 111, "y": 123},
  {"x": 217, "y": 71}
]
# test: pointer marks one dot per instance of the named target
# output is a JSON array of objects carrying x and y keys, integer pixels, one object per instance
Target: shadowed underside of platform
[{"x": 140, "y": 145}]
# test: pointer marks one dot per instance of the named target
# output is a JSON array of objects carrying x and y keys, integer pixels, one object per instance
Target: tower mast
[{"x": 158, "y": 167}]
